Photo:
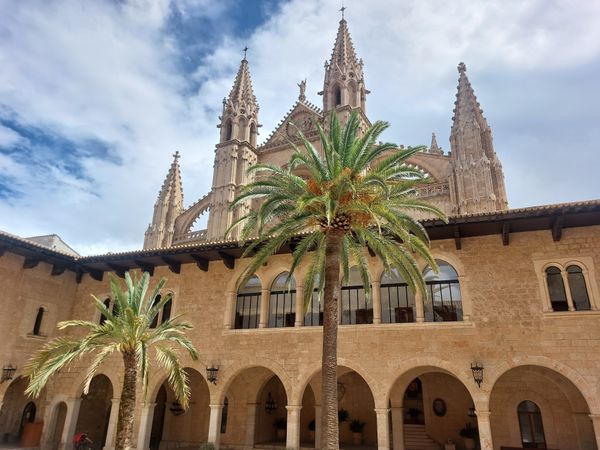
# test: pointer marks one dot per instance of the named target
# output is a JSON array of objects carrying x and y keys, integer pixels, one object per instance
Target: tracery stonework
[{"x": 467, "y": 180}]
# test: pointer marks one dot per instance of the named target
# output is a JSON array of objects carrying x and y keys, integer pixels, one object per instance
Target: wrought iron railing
[{"x": 247, "y": 311}]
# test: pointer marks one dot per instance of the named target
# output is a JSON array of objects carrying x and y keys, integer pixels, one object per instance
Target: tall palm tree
[
  {"x": 358, "y": 195},
  {"x": 128, "y": 328}
]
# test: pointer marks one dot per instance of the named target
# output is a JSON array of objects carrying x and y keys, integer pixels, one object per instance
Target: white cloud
[{"x": 107, "y": 71}]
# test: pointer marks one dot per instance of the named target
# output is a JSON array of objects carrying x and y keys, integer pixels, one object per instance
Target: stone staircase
[{"x": 416, "y": 438}]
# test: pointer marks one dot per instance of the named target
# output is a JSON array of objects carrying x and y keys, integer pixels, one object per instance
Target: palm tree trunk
[
  {"x": 127, "y": 404},
  {"x": 329, "y": 401}
]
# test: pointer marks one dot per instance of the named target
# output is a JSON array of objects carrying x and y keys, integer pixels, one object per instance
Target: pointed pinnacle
[{"x": 462, "y": 68}]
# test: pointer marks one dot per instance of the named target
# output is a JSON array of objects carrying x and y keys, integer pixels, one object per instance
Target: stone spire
[
  {"x": 168, "y": 206},
  {"x": 477, "y": 182},
  {"x": 434, "y": 147},
  {"x": 344, "y": 84}
]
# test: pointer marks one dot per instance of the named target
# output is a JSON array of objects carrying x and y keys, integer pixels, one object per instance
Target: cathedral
[{"x": 501, "y": 354}]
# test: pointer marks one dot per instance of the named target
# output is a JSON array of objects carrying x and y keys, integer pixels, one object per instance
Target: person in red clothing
[{"x": 82, "y": 441}]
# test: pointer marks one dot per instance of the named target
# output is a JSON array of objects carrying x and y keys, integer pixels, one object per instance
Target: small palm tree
[
  {"x": 359, "y": 195},
  {"x": 128, "y": 329}
]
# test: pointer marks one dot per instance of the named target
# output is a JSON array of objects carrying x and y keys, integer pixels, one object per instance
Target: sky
[{"x": 96, "y": 96}]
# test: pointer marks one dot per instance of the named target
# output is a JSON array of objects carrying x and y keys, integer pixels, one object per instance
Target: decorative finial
[
  {"x": 302, "y": 86},
  {"x": 245, "y": 49},
  {"x": 342, "y": 9},
  {"x": 176, "y": 154},
  {"x": 462, "y": 68}
]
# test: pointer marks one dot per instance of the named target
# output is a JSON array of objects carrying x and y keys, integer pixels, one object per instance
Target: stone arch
[
  {"x": 112, "y": 375},
  {"x": 185, "y": 221},
  {"x": 95, "y": 409},
  {"x": 54, "y": 431},
  {"x": 13, "y": 413}
]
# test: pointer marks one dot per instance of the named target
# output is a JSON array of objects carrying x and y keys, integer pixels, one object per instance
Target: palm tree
[
  {"x": 128, "y": 328},
  {"x": 359, "y": 195}
]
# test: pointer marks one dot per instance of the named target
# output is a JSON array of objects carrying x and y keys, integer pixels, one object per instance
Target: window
[
  {"x": 247, "y": 308},
  {"x": 224, "y": 412},
  {"x": 37, "y": 326},
  {"x": 397, "y": 300},
  {"x": 355, "y": 309},
  {"x": 337, "y": 95},
  {"x": 102, "y": 316},
  {"x": 567, "y": 288},
  {"x": 314, "y": 311},
  {"x": 443, "y": 302},
  {"x": 228, "y": 130},
  {"x": 164, "y": 314},
  {"x": 282, "y": 303},
  {"x": 530, "y": 424}
]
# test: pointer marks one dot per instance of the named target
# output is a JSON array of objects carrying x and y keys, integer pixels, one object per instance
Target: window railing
[
  {"x": 443, "y": 302},
  {"x": 282, "y": 309},
  {"x": 397, "y": 303},
  {"x": 355, "y": 309},
  {"x": 247, "y": 311}
]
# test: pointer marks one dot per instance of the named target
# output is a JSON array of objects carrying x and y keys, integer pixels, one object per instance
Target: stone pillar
[
  {"x": 596, "y": 423},
  {"x": 419, "y": 307},
  {"x": 111, "y": 431},
  {"x": 317, "y": 426},
  {"x": 299, "y": 306},
  {"x": 293, "y": 426},
  {"x": 73, "y": 405},
  {"x": 230, "y": 299},
  {"x": 383, "y": 428},
  {"x": 264, "y": 308},
  {"x": 567, "y": 287},
  {"x": 146, "y": 418},
  {"x": 398, "y": 428},
  {"x": 250, "y": 424},
  {"x": 376, "y": 289},
  {"x": 485, "y": 430},
  {"x": 214, "y": 425}
]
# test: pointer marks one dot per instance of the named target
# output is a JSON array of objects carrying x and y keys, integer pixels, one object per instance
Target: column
[
  {"x": 250, "y": 424},
  {"x": 230, "y": 298},
  {"x": 299, "y": 306},
  {"x": 596, "y": 423},
  {"x": 398, "y": 427},
  {"x": 264, "y": 308},
  {"x": 214, "y": 425},
  {"x": 111, "y": 431},
  {"x": 292, "y": 440},
  {"x": 317, "y": 426},
  {"x": 146, "y": 417},
  {"x": 565, "y": 279},
  {"x": 73, "y": 405},
  {"x": 420, "y": 309},
  {"x": 376, "y": 290},
  {"x": 383, "y": 428},
  {"x": 485, "y": 430}
]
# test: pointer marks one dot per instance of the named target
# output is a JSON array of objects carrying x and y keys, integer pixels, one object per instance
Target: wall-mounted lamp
[
  {"x": 477, "y": 370},
  {"x": 176, "y": 409},
  {"x": 270, "y": 404},
  {"x": 7, "y": 372},
  {"x": 211, "y": 374}
]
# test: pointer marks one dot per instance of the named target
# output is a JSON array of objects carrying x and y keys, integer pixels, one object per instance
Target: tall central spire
[
  {"x": 343, "y": 50},
  {"x": 242, "y": 93}
]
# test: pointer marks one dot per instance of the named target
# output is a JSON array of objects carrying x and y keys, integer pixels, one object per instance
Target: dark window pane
[
  {"x": 37, "y": 326},
  {"x": 556, "y": 289},
  {"x": 166, "y": 315},
  {"x": 578, "y": 288}
]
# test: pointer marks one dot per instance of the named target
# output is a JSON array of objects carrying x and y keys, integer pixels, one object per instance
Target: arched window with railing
[
  {"x": 39, "y": 318},
  {"x": 397, "y": 300},
  {"x": 355, "y": 308},
  {"x": 578, "y": 288},
  {"x": 314, "y": 310},
  {"x": 556, "y": 289},
  {"x": 443, "y": 302},
  {"x": 530, "y": 424},
  {"x": 247, "y": 307},
  {"x": 282, "y": 302}
]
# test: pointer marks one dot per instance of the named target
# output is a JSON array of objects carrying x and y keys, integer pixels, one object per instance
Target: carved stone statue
[{"x": 302, "y": 86}]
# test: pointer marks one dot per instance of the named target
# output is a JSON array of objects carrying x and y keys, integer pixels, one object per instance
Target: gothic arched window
[
  {"x": 337, "y": 96},
  {"x": 247, "y": 307},
  {"x": 443, "y": 302},
  {"x": 355, "y": 309},
  {"x": 37, "y": 326},
  {"x": 530, "y": 424},
  {"x": 228, "y": 130},
  {"x": 397, "y": 300},
  {"x": 282, "y": 302},
  {"x": 579, "y": 292},
  {"x": 556, "y": 289}
]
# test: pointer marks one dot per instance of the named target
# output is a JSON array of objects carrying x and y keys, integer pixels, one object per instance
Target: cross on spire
[
  {"x": 342, "y": 9},
  {"x": 245, "y": 50}
]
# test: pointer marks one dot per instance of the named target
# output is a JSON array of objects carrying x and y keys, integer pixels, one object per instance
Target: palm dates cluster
[{"x": 340, "y": 222}]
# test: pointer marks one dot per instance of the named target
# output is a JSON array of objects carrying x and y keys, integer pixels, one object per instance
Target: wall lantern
[
  {"x": 211, "y": 374},
  {"x": 471, "y": 413},
  {"x": 7, "y": 372},
  {"x": 176, "y": 409},
  {"x": 270, "y": 404},
  {"x": 477, "y": 370}
]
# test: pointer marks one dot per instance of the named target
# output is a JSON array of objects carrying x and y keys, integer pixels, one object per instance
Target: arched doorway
[
  {"x": 429, "y": 406},
  {"x": 20, "y": 417},
  {"x": 256, "y": 409},
  {"x": 59, "y": 416},
  {"x": 173, "y": 427},
  {"x": 536, "y": 407},
  {"x": 94, "y": 412},
  {"x": 356, "y": 405}
]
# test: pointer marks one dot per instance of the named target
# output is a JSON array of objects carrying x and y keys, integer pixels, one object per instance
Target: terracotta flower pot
[{"x": 357, "y": 438}]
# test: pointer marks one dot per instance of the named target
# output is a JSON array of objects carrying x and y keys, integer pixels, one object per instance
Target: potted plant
[
  {"x": 280, "y": 426},
  {"x": 470, "y": 435},
  {"x": 343, "y": 415},
  {"x": 311, "y": 429},
  {"x": 356, "y": 426}
]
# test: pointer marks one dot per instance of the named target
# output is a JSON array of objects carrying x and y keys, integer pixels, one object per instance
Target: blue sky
[{"x": 96, "y": 96}]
